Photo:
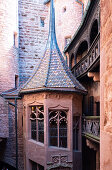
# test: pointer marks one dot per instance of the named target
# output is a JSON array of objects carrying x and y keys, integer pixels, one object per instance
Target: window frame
[
  {"x": 37, "y": 113},
  {"x": 58, "y": 127}
]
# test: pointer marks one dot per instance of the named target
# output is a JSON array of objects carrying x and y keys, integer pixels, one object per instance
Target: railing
[
  {"x": 91, "y": 127},
  {"x": 89, "y": 59}
]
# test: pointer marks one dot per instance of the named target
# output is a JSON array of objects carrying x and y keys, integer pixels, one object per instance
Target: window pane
[
  {"x": 63, "y": 134},
  {"x": 41, "y": 131},
  {"x": 53, "y": 134},
  {"x": 33, "y": 130}
]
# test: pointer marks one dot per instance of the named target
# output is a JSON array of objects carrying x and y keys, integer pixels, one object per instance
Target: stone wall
[
  {"x": 8, "y": 152},
  {"x": 32, "y": 36},
  {"x": 8, "y": 51},
  {"x": 106, "y": 86},
  {"x": 4, "y": 127}
]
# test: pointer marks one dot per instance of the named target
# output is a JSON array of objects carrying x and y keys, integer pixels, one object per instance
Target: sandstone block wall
[
  {"x": 106, "y": 86},
  {"x": 8, "y": 51},
  {"x": 32, "y": 36},
  {"x": 4, "y": 126}
]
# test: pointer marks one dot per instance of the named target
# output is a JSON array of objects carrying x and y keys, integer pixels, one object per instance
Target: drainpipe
[
  {"x": 15, "y": 105},
  {"x": 82, "y": 6}
]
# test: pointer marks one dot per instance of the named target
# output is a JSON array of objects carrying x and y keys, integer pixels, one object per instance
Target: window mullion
[
  {"x": 58, "y": 130},
  {"x": 37, "y": 123}
]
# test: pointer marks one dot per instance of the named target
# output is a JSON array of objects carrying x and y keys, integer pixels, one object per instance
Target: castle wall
[
  {"x": 106, "y": 86},
  {"x": 8, "y": 51},
  {"x": 32, "y": 36},
  {"x": 8, "y": 146}
]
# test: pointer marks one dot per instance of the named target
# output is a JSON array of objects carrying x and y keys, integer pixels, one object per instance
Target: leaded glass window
[
  {"x": 37, "y": 123},
  {"x": 41, "y": 128},
  {"x": 58, "y": 128},
  {"x": 33, "y": 124}
]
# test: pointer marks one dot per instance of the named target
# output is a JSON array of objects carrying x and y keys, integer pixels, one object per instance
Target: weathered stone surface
[
  {"x": 106, "y": 85},
  {"x": 8, "y": 51},
  {"x": 4, "y": 126}
]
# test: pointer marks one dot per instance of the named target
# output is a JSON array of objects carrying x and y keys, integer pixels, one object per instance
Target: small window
[
  {"x": 16, "y": 81},
  {"x": 58, "y": 128},
  {"x": 42, "y": 22}
]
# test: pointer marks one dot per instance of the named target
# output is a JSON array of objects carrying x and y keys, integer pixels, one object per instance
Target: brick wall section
[
  {"x": 8, "y": 154},
  {"x": 32, "y": 37},
  {"x": 8, "y": 53},
  {"x": 4, "y": 131},
  {"x": 106, "y": 86}
]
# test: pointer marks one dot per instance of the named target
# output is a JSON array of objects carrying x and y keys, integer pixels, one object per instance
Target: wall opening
[
  {"x": 82, "y": 50},
  {"x": 94, "y": 31}
]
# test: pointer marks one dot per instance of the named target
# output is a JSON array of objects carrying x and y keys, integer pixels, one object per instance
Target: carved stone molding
[
  {"x": 58, "y": 107},
  {"x": 59, "y": 161}
]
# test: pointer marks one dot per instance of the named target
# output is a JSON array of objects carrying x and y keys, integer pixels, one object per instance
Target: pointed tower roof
[{"x": 52, "y": 73}]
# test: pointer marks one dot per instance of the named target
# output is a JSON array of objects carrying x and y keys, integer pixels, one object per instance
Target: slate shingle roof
[{"x": 52, "y": 72}]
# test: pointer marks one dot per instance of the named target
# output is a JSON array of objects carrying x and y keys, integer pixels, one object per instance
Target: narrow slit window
[{"x": 42, "y": 22}]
